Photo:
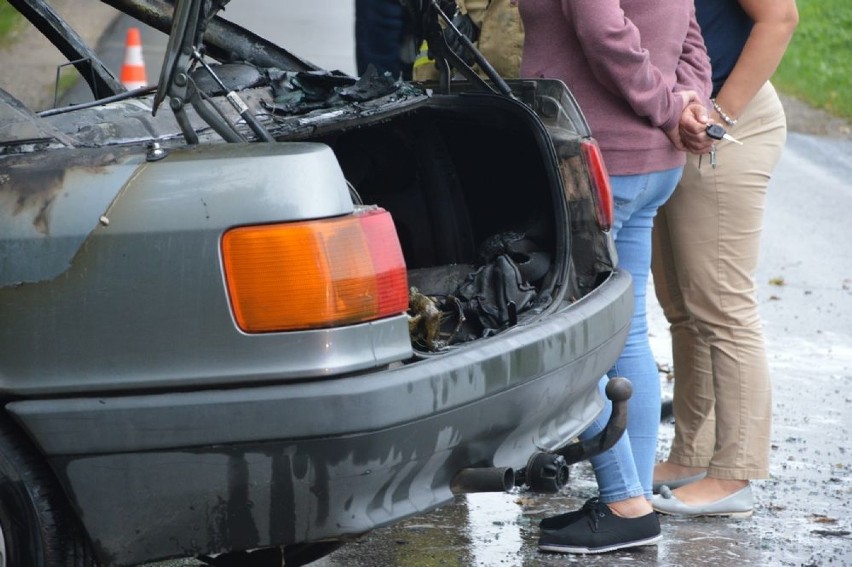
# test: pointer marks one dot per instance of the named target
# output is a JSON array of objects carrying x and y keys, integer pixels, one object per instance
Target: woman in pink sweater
[{"x": 641, "y": 74}]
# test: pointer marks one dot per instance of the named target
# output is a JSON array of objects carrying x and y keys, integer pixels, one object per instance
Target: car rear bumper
[{"x": 186, "y": 473}]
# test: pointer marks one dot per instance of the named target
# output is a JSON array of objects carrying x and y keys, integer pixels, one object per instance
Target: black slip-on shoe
[
  {"x": 560, "y": 521},
  {"x": 598, "y": 530}
]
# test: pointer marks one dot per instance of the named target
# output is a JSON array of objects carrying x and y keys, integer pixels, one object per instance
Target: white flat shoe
[{"x": 740, "y": 504}]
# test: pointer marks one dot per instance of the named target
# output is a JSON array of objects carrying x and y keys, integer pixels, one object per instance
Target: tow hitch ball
[{"x": 548, "y": 472}]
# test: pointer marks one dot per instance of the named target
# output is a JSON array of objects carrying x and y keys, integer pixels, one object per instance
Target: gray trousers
[{"x": 705, "y": 252}]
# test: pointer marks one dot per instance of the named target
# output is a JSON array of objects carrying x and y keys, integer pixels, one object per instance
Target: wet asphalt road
[{"x": 805, "y": 286}]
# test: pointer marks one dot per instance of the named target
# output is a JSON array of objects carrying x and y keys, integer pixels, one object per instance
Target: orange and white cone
[{"x": 133, "y": 70}]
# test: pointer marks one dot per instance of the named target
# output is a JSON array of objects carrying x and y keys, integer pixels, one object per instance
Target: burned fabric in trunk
[{"x": 487, "y": 300}]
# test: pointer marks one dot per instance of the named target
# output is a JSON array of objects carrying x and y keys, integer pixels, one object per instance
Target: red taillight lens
[
  {"x": 315, "y": 274},
  {"x": 600, "y": 180}
]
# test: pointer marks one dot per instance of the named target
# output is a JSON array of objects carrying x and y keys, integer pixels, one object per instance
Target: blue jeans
[{"x": 627, "y": 469}]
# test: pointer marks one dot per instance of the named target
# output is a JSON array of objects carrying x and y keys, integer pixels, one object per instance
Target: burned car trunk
[
  {"x": 478, "y": 213},
  {"x": 269, "y": 307}
]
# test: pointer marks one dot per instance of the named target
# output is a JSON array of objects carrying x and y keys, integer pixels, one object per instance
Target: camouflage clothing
[{"x": 501, "y": 37}]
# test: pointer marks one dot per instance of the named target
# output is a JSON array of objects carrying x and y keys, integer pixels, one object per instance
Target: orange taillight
[
  {"x": 600, "y": 180},
  {"x": 315, "y": 274}
]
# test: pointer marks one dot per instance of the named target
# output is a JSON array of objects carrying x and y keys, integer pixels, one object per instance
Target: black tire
[{"x": 38, "y": 529}]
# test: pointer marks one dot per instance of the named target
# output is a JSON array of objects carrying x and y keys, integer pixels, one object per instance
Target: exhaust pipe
[
  {"x": 484, "y": 479},
  {"x": 548, "y": 471}
]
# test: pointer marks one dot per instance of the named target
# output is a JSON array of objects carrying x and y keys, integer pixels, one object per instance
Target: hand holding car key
[{"x": 717, "y": 132}]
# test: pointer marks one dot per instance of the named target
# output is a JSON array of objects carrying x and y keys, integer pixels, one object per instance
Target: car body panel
[
  {"x": 139, "y": 266},
  {"x": 52, "y": 204},
  {"x": 358, "y": 452},
  {"x": 562, "y": 345}
]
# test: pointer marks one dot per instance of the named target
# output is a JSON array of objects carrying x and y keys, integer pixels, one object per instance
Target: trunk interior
[{"x": 480, "y": 214}]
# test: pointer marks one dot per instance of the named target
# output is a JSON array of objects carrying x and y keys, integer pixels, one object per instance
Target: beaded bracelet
[{"x": 728, "y": 120}]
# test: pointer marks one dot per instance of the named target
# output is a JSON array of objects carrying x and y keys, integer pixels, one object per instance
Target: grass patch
[
  {"x": 10, "y": 20},
  {"x": 817, "y": 67}
]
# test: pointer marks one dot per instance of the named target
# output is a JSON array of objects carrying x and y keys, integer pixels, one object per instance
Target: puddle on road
[{"x": 800, "y": 519}]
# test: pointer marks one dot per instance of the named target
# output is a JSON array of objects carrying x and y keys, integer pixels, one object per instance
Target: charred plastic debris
[{"x": 300, "y": 93}]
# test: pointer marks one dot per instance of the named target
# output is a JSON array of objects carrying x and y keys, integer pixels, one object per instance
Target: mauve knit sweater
[{"x": 622, "y": 60}]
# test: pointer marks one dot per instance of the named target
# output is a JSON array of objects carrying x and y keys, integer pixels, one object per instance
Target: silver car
[{"x": 261, "y": 308}]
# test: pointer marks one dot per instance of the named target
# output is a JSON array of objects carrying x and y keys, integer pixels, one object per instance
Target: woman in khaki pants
[{"x": 706, "y": 241}]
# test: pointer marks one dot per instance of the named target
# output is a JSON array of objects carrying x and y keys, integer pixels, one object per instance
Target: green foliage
[
  {"x": 10, "y": 19},
  {"x": 817, "y": 67}
]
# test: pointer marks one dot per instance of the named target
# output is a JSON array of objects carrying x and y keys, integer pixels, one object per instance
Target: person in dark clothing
[{"x": 381, "y": 37}]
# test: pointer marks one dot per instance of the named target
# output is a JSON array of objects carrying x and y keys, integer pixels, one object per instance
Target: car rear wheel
[{"x": 36, "y": 525}]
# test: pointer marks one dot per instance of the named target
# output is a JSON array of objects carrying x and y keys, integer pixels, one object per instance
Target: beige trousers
[{"x": 705, "y": 249}]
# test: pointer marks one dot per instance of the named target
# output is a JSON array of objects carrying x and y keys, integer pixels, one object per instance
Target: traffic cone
[{"x": 133, "y": 70}]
